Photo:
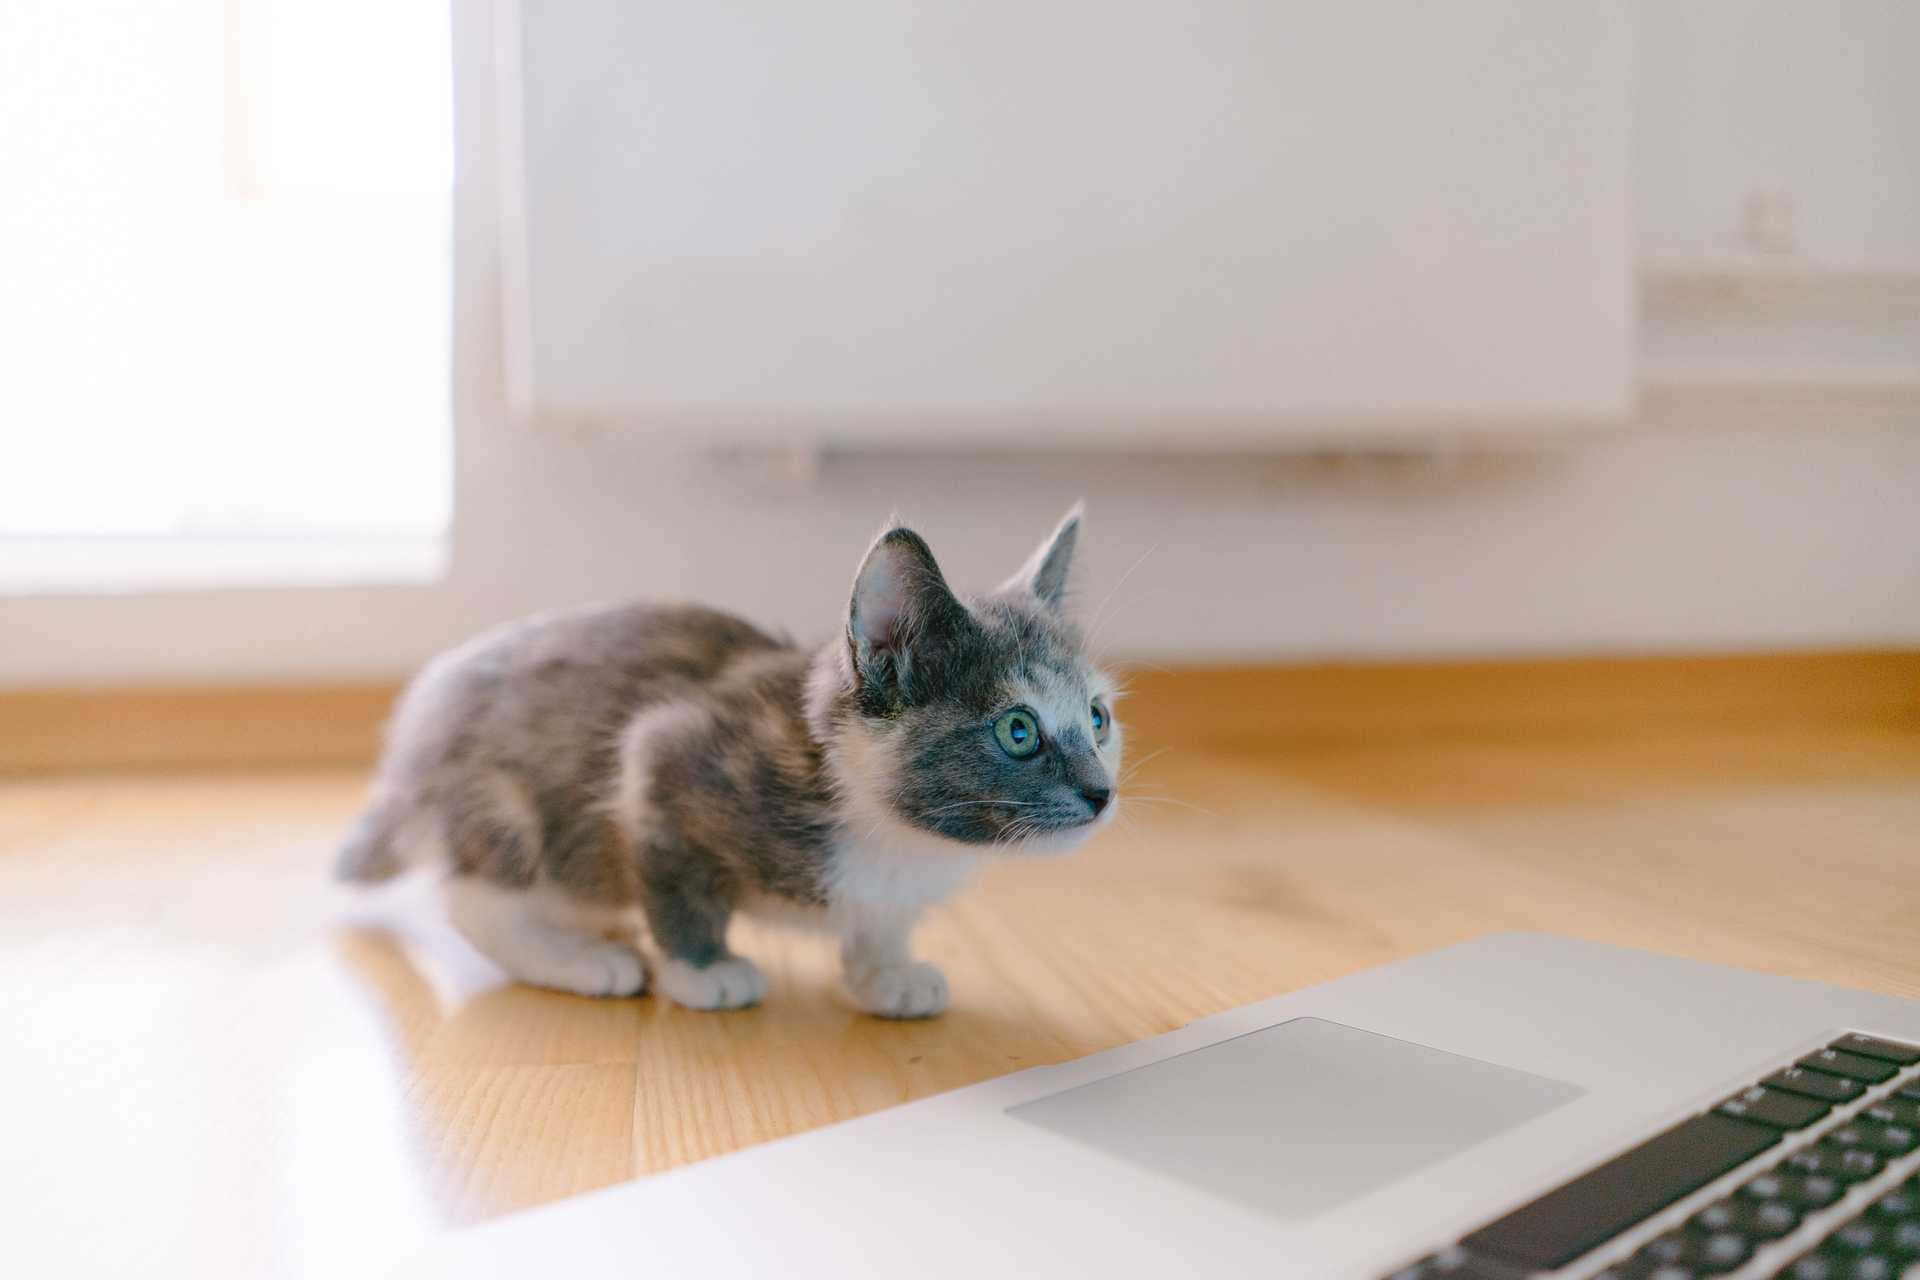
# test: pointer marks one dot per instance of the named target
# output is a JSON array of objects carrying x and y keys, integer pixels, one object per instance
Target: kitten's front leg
[
  {"x": 688, "y": 919},
  {"x": 880, "y": 973}
]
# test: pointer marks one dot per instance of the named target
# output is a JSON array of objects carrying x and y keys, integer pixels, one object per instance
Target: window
[{"x": 224, "y": 291}]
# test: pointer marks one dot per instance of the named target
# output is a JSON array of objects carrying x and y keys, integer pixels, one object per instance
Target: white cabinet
[{"x": 1079, "y": 222}]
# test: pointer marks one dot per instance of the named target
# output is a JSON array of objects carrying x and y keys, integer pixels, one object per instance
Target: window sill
[{"x": 57, "y": 565}]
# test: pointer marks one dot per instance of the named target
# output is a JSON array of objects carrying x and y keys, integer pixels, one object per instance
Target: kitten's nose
[{"x": 1096, "y": 798}]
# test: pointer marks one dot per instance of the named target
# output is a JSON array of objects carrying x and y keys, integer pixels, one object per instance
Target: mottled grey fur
[{"x": 679, "y": 760}]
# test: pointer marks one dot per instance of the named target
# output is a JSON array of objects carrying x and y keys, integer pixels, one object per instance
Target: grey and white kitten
[{"x": 579, "y": 773}]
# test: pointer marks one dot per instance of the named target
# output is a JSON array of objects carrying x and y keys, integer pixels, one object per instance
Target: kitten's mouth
[
  {"x": 990, "y": 824},
  {"x": 1062, "y": 832},
  {"x": 1049, "y": 840}
]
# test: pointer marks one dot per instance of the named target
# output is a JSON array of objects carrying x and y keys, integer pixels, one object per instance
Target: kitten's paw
[
  {"x": 732, "y": 983},
  {"x": 598, "y": 969},
  {"x": 917, "y": 990}
]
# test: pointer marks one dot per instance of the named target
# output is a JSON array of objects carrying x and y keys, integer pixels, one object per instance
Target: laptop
[{"x": 1515, "y": 1105}]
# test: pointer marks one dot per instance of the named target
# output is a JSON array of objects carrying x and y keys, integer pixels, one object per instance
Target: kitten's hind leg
[{"x": 536, "y": 937}]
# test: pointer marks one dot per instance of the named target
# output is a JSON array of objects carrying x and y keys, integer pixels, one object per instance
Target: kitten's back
[{"x": 538, "y": 703}]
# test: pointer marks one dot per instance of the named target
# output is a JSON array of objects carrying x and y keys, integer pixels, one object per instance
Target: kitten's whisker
[
  {"x": 1170, "y": 800},
  {"x": 1100, "y": 654},
  {"x": 1135, "y": 767},
  {"x": 1093, "y": 630},
  {"x": 976, "y": 804}
]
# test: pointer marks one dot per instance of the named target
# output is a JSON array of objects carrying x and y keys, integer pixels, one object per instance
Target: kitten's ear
[
  {"x": 900, "y": 606},
  {"x": 1045, "y": 572}
]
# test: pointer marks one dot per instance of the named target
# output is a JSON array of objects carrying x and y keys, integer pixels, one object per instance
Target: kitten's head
[{"x": 979, "y": 721}]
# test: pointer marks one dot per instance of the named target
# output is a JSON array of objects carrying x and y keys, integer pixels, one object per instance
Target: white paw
[
  {"x": 599, "y": 969},
  {"x": 917, "y": 990},
  {"x": 732, "y": 983}
]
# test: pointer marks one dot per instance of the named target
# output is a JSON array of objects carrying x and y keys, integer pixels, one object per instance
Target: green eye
[
  {"x": 1101, "y": 723},
  {"x": 1018, "y": 733}
]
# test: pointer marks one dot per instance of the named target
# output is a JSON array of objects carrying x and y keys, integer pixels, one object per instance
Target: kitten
[{"x": 581, "y": 771}]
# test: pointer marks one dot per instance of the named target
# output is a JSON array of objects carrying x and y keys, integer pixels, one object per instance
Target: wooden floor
[{"x": 217, "y": 1064}]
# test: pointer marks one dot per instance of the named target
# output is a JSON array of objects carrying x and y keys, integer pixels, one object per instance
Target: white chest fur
[{"x": 882, "y": 882}]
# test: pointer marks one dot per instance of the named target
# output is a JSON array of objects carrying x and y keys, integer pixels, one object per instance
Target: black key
[
  {"x": 1718, "y": 1216},
  {"x": 1601, "y": 1203},
  {"x": 1454, "y": 1263},
  {"x": 1832, "y": 1160},
  {"x": 1896, "y": 1206},
  {"x": 1774, "y": 1108},
  {"x": 1721, "y": 1251},
  {"x": 1872, "y": 1135},
  {"x": 1695, "y": 1253},
  {"x": 1902, "y": 1111},
  {"x": 1667, "y": 1250},
  {"x": 1874, "y": 1047},
  {"x": 1813, "y": 1267},
  {"x": 1816, "y": 1084},
  {"x": 1760, "y": 1219},
  {"x": 1890, "y": 1139},
  {"x": 1871, "y": 1234},
  {"x": 1797, "y": 1191},
  {"x": 1858, "y": 1236},
  {"x": 1815, "y": 1190},
  {"x": 1856, "y": 1165},
  {"x": 1631, "y": 1269},
  {"x": 1851, "y": 1265},
  {"x": 1851, "y": 1065},
  {"x": 1769, "y": 1221}
]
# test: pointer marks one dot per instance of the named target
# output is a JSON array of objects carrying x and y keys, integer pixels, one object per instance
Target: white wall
[{"x": 1680, "y": 536}]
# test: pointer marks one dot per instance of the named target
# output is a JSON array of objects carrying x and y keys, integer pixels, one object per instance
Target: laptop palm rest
[{"x": 1298, "y": 1117}]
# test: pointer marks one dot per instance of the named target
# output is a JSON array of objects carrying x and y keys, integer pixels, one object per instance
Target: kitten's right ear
[{"x": 900, "y": 606}]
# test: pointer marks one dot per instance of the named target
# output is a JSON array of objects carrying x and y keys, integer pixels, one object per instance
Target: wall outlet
[{"x": 1766, "y": 224}]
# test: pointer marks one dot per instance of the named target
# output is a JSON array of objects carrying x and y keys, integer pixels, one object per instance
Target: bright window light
[{"x": 224, "y": 269}]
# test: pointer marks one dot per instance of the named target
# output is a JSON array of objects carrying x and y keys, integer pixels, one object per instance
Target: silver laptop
[{"x": 1516, "y": 1105}]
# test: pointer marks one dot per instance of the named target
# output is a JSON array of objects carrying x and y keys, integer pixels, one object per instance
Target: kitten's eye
[
  {"x": 1101, "y": 722},
  {"x": 1018, "y": 733}
]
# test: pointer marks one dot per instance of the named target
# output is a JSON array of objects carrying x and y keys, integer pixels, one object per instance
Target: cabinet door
[{"x": 1072, "y": 221}]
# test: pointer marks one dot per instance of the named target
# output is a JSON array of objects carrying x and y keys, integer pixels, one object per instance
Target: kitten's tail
[{"x": 373, "y": 850}]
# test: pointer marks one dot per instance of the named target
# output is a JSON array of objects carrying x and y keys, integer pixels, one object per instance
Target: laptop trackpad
[{"x": 1299, "y": 1117}]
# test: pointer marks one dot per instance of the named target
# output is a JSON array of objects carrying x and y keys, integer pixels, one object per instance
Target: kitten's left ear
[{"x": 1045, "y": 572}]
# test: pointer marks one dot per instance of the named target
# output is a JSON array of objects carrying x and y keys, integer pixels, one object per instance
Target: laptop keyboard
[{"x": 1840, "y": 1201}]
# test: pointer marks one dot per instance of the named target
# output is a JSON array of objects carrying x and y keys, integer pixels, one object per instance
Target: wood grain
[
  {"x": 192, "y": 727},
  {"x": 218, "y": 1064},
  {"x": 281, "y": 725}
]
